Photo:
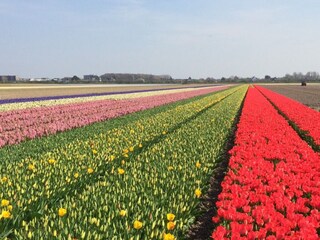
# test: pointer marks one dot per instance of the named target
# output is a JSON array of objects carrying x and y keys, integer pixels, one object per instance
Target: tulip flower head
[
  {"x": 123, "y": 213},
  {"x": 137, "y": 224},
  {"x": 62, "y": 212},
  {"x": 5, "y": 202},
  {"x": 31, "y": 167},
  {"x": 170, "y": 216},
  {"x": 52, "y": 161},
  {"x": 120, "y": 171},
  {"x": 171, "y": 225},
  {"x": 168, "y": 236},
  {"x": 197, "y": 192},
  {"x": 5, "y": 214}
]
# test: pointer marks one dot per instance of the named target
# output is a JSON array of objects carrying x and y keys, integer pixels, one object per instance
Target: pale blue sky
[{"x": 197, "y": 38}]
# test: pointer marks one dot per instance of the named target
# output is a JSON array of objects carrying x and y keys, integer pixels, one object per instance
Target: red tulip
[{"x": 272, "y": 188}]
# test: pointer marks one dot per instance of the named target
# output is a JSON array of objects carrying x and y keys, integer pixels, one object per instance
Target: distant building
[
  {"x": 43, "y": 79},
  {"x": 91, "y": 77},
  {"x": 8, "y": 78},
  {"x": 66, "y": 79},
  {"x": 20, "y": 79}
]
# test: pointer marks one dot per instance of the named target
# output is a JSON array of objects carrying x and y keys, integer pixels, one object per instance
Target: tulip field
[
  {"x": 30, "y": 121},
  {"x": 139, "y": 165}
]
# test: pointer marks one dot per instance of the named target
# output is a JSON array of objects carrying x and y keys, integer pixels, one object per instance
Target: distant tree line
[
  {"x": 135, "y": 78},
  {"x": 150, "y": 78},
  {"x": 295, "y": 77},
  {"x": 299, "y": 77}
]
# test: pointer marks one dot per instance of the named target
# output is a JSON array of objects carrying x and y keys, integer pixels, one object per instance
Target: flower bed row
[
  {"x": 35, "y": 147},
  {"x": 18, "y": 125},
  {"x": 22, "y": 100},
  {"x": 150, "y": 194},
  {"x": 66, "y": 100},
  {"x": 272, "y": 188},
  {"x": 304, "y": 117},
  {"x": 38, "y": 180}
]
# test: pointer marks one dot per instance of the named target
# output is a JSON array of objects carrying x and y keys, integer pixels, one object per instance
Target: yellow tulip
[
  {"x": 52, "y": 161},
  {"x": 120, "y": 171},
  {"x": 90, "y": 170},
  {"x": 125, "y": 151},
  {"x": 168, "y": 236},
  {"x": 5, "y": 214},
  {"x": 123, "y": 213},
  {"x": 31, "y": 167},
  {"x": 171, "y": 225},
  {"x": 62, "y": 212},
  {"x": 5, "y": 202},
  {"x": 197, "y": 192},
  {"x": 170, "y": 216},
  {"x": 137, "y": 224}
]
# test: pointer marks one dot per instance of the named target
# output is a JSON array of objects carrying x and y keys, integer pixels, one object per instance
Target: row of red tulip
[
  {"x": 272, "y": 187},
  {"x": 18, "y": 125},
  {"x": 304, "y": 117}
]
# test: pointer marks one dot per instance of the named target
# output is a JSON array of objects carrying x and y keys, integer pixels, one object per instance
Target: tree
[
  {"x": 75, "y": 78},
  {"x": 312, "y": 76}
]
